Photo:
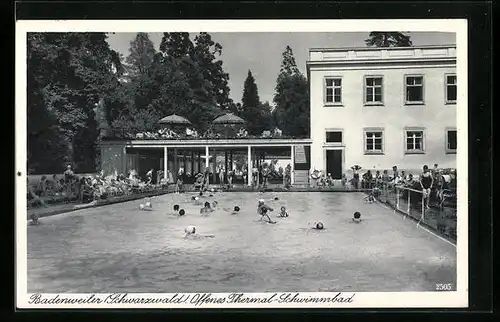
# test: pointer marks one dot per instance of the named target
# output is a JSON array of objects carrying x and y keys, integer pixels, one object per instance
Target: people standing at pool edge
[{"x": 426, "y": 182}]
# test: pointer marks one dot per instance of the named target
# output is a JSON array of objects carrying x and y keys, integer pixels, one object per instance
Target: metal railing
[{"x": 413, "y": 203}]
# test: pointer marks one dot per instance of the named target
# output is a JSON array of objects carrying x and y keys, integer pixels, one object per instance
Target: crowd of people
[
  {"x": 87, "y": 188},
  {"x": 188, "y": 133}
]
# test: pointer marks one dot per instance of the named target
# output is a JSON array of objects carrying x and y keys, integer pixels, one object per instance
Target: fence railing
[{"x": 413, "y": 203}]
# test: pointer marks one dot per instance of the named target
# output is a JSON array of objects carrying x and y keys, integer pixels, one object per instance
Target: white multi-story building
[{"x": 380, "y": 107}]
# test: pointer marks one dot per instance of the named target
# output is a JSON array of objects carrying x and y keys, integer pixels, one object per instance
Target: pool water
[{"x": 118, "y": 248}]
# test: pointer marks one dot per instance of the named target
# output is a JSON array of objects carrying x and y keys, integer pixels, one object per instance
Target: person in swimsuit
[
  {"x": 190, "y": 231},
  {"x": 426, "y": 182},
  {"x": 356, "y": 218},
  {"x": 262, "y": 210},
  {"x": 207, "y": 208},
  {"x": 283, "y": 212}
]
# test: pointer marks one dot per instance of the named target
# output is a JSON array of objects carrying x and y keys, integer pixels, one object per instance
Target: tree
[
  {"x": 288, "y": 64},
  {"x": 141, "y": 54},
  {"x": 291, "y": 98},
  {"x": 68, "y": 73},
  {"x": 251, "y": 105},
  {"x": 388, "y": 39}
]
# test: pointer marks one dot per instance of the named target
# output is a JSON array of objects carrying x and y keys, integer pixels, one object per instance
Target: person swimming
[
  {"x": 356, "y": 218},
  {"x": 236, "y": 209},
  {"x": 146, "y": 207},
  {"x": 176, "y": 209},
  {"x": 262, "y": 210},
  {"x": 370, "y": 198},
  {"x": 318, "y": 225},
  {"x": 283, "y": 212},
  {"x": 182, "y": 212},
  {"x": 276, "y": 198},
  {"x": 190, "y": 231},
  {"x": 207, "y": 208},
  {"x": 214, "y": 204}
]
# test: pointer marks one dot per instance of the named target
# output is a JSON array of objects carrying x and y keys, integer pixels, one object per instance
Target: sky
[{"x": 261, "y": 52}]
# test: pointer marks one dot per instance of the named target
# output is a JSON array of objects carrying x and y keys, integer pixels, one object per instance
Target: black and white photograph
[{"x": 233, "y": 164}]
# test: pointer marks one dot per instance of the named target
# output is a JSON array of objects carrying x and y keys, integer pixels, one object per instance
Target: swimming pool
[{"x": 118, "y": 248}]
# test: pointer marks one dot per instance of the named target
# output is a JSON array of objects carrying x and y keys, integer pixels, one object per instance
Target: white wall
[{"x": 435, "y": 116}]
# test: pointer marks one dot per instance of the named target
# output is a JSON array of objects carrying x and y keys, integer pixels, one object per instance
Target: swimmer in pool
[
  {"x": 236, "y": 210},
  {"x": 262, "y": 210},
  {"x": 190, "y": 231},
  {"x": 182, "y": 212},
  {"x": 276, "y": 198},
  {"x": 146, "y": 207},
  {"x": 176, "y": 209},
  {"x": 214, "y": 204},
  {"x": 206, "y": 209},
  {"x": 196, "y": 200},
  {"x": 283, "y": 212},
  {"x": 318, "y": 225},
  {"x": 356, "y": 218}
]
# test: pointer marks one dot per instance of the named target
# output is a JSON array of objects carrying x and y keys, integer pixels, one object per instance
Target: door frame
[{"x": 329, "y": 148}]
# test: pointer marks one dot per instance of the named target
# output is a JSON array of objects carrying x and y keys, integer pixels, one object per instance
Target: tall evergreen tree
[
  {"x": 251, "y": 106},
  {"x": 291, "y": 98},
  {"x": 141, "y": 54},
  {"x": 388, "y": 39},
  {"x": 288, "y": 64}
]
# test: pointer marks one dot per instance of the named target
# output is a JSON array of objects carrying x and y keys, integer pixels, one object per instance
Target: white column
[
  {"x": 124, "y": 161},
  {"x": 207, "y": 163},
  {"x": 249, "y": 167},
  {"x": 206, "y": 157},
  {"x": 292, "y": 162},
  {"x": 165, "y": 163}
]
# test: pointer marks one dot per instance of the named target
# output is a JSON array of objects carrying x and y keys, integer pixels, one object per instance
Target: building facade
[{"x": 380, "y": 107}]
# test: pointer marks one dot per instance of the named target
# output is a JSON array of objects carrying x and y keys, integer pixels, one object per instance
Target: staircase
[{"x": 301, "y": 178}]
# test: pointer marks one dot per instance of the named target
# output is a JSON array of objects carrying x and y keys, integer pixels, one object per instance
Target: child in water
[
  {"x": 182, "y": 212},
  {"x": 190, "y": 231},
  {"x": 356, "y": 217},
  {"x": 262, "y": 210},
  {"x": 176, "y": 209},
  {"x": 283, "y": 212}
]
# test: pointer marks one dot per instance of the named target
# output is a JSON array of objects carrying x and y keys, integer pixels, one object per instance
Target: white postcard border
[{"x": 458, "y": 298}]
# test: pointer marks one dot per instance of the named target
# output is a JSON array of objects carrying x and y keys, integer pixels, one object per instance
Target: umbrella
[
  {"x": 174, "y": 119},
  {"x": 229, "y": 118}
]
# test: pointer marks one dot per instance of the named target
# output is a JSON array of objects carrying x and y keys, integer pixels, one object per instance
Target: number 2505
[{"x": 444, "y": 287}]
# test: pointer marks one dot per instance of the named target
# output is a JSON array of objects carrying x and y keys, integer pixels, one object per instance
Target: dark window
[
  {"x": 451, "y": 140},
  {"x": 373, "y": 90},
  {"x": 451, "y": 88},
  {"x": 333, "y": 87},
  {"x": 414, "y": 140},
  {"x": 414, "y": 89},
  {"x": 373, "y": 141},
  {"x": 334, "y": 137}
]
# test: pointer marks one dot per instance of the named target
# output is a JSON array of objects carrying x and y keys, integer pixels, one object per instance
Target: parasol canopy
[
  {"x": 228, "y": 118},
  {"x": 174, "y": 119}
]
